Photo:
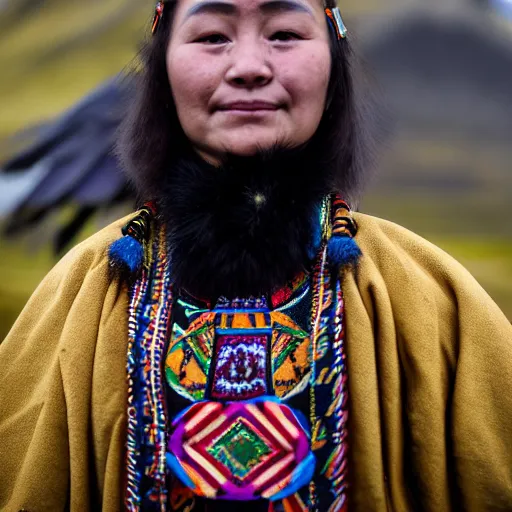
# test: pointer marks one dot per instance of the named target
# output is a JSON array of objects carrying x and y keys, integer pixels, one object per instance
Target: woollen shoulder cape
[{"x": 429, "y": 359}]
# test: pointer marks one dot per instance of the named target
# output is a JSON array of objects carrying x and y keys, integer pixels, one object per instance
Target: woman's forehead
[{"x": 192, "y": 8}]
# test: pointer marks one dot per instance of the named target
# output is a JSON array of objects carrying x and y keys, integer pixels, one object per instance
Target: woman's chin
[{"x": 247, "y": 146}]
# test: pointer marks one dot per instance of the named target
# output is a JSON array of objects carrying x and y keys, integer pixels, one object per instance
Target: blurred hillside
[
  {"x": 52, "y": 52},
  {"x": 443, "y": 70}
]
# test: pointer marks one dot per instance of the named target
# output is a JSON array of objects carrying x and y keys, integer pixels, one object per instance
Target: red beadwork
[{"x": 159, "y": 12}]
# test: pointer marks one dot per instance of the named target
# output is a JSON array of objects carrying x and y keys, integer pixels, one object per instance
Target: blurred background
[{"x": 442, "y": 70}]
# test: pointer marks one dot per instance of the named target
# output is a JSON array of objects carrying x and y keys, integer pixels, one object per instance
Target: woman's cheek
[
  {"x": 194, "y": 84},
  {"x": 310, "y": 80}
]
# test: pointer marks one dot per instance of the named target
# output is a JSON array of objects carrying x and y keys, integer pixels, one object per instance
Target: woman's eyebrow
[
  {"x": 219, "y": 7},
  {"x": 211, "y": 7},
  {"x": 273, "y": 6}
]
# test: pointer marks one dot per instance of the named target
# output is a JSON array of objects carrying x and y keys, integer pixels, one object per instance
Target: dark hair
[{"x": 151, "y": 136}]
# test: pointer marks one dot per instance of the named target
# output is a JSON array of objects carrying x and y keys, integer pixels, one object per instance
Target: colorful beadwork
[
  {"x": 189, "y": 356},
  {"x": 237, "y": 369},
  {"x": 328, "y": 393},
  {"x": 336, "y": 467},
  {"x": 242, "y": 338},
  {"x": 146, "y": 431},
  {"x": 241, "y": 367},
  {"x": 290, "y": 356},
  {"x": 240, "y": 450},
  {"x": 181, "y": 497}
]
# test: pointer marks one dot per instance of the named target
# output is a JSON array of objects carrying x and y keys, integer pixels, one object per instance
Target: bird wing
[{"x": 71, "y": 162}]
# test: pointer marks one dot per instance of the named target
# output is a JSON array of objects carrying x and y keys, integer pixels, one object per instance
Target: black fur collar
[{"x": 243, "y": 229}]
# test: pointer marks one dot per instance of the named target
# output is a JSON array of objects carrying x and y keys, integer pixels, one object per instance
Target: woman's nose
[{"x": 250, "y": 66}]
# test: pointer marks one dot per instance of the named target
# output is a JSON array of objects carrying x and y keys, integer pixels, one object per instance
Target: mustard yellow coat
[{"x": 430, "y": 384}]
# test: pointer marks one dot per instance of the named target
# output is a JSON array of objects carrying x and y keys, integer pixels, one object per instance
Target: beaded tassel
[{"x": 127, "y": 253}]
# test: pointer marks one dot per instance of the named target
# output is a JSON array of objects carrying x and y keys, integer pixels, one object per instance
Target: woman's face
[{"x": 248, "y": 74}]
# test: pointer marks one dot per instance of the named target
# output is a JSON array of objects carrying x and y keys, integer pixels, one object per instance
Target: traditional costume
[
  {"x": 412, "y": 411},
  {"x": 245, "y": 341}
]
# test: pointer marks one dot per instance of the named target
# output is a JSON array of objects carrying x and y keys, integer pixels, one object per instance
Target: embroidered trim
[
  {"x": 146, "y": 433},
  {"x": 328, "y": 391},
  {"x": 336, "y": 468}
]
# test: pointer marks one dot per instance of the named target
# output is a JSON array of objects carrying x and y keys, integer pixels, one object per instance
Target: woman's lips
[{"x": 248, "y": 106}]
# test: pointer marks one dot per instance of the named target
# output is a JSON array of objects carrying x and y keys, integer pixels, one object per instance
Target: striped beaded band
[
  {"x": 342, "y": 223},
  {"x": 149, "y": 311}
]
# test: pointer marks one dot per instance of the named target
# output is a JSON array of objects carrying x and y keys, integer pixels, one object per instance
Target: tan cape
[{"x": 430, "y": 378}]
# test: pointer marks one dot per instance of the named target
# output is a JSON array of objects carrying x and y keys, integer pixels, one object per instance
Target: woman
[{"x": 249, "y": 343}]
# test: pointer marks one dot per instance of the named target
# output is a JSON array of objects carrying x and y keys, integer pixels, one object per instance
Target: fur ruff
[{"x": 245, "y": 228}]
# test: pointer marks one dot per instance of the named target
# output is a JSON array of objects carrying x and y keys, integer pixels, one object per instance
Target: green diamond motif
[{"x": 240, "y": 449}]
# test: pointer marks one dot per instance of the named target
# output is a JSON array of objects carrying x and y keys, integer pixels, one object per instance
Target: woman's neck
[{"x": 246, "y": 227}]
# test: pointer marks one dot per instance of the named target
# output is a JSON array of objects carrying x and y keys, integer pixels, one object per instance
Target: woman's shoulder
[
  {"x": 64, "y": 362},
  {"x": 411, "y": 269},
  {"x": 387, "y": 243},
  {"x": 375, "y": 234},
  {"x": 93, "y": 251},
  {"x": 79, "y": 279}
]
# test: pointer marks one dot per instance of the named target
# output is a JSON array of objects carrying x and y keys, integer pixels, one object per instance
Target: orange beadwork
[{"x": 342, "y": 223}]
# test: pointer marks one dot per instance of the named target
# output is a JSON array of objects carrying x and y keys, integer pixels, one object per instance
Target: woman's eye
[
  {"x": 213, "y": 39},
  {"x": 285, "y": 36}
]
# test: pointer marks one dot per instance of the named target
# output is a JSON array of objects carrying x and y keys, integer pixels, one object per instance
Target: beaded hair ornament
[{"x": 331, "y": 10}]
